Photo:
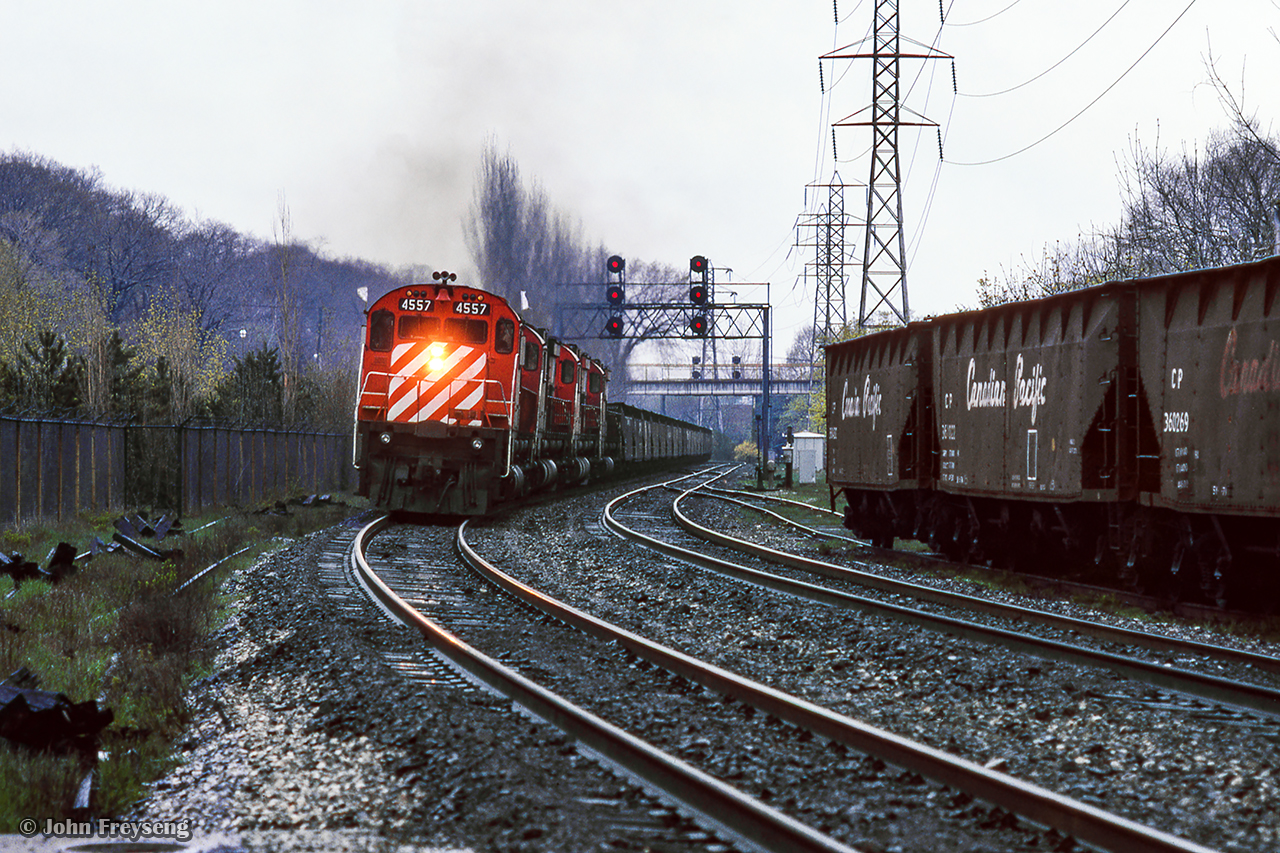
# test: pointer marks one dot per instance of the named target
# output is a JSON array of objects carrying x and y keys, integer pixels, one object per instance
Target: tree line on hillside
[{"x": 114, "y": 304}]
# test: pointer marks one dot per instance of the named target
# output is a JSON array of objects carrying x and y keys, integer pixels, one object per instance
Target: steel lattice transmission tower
[
  {"x": 884, "y": 269},
  {"x": 830, "y": 315}
]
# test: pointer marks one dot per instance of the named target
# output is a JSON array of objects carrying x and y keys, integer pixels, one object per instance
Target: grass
[{"x": 115, "y": 633}]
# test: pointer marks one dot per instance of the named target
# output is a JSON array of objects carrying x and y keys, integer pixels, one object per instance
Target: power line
[
  {"x": 1054, "y": 65},
  {"x": 1087, "y": 106},
  {"x": 984, "y": 20}
]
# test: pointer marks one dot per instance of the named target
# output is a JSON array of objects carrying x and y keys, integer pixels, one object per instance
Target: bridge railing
[{"x": 786, "y": 371}]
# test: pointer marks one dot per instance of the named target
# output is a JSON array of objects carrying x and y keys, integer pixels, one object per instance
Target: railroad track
[
  {"x": 1260, "y": 700},
  {"x": 1236, "y": 692},
  {"x": 933, "y": 563},
  {"x": 730, "y": 812},
  {"x": 718, "y": 806}
]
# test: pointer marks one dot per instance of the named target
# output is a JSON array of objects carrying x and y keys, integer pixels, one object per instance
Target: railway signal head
[
  {"x": 698, "y": 325},
  {"x": 614, "y": 294},
  {"x": 698, "y": 294},
  {"x": 613, "y": 328},
  {"x": 616, "y": 265},
  {"x": 699, "y": 266}
]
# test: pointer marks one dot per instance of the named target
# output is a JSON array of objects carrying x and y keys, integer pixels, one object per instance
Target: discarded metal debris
[
  {"x": 61, "y": 562},
  {"x": 282, "y": 507},
  {"x": 44, "y": 720},
  {"x": 142, "y": 550},
  {"x": 20, "y": 569},
  {"x": 130, "y": 530}
]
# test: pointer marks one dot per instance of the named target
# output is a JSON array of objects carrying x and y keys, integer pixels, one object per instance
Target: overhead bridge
[
  {"x": 716, "y": 387},
  {"x": 700, "y": 380}
]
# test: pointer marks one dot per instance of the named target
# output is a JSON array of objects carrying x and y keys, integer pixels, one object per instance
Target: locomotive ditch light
[
  {"x": 477, "y": 444},
  {"x": 613, "y": 328},
  {"x": 698, "y": 325},
  {"x": 385, "y": 438}
]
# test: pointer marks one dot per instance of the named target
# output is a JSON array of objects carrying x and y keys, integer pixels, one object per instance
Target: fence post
[{"x": 17, "y": 470}]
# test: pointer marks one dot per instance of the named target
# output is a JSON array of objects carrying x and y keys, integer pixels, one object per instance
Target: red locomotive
[{"x": 462, "y": 405}]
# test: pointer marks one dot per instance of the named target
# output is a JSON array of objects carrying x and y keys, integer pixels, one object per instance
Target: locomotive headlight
[
  {"x": 435, "y": 354},
  {"x": 477, "y": 444},
  {"x": 385, "y": 438}
]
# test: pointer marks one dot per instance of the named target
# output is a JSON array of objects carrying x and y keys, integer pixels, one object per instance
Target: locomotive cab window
[
  {"x": 382, "y": 327},
  {"x": 566, "y": 372},
  {"x": 595, "y": 383},
  {"x": 415, "y": 327},
  {"x": 463, "y": 331},
  {"x": 504, "y": 336},
  {"x": 532, "y": 355}
]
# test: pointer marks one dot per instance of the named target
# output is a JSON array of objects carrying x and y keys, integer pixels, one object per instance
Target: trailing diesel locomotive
[
  {"x": 462, "y": 405},
  {"x": 1133, "y": 427}
]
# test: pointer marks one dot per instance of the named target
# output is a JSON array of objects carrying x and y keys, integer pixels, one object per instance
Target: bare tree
[{"x": 287, "y": 306}]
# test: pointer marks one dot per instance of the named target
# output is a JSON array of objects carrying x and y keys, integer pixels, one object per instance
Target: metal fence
[{"x": 54, "y": 469}]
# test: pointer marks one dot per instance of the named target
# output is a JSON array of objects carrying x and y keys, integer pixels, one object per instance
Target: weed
[
  {"x": 114, "y": 631},
  {"x": 16, "y": 540},
  {"x": 32, "y": 781}
]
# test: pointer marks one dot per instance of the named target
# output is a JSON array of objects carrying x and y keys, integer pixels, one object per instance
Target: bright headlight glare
[
  {"x": 477, "y": 444},
  {"x": 385, "y": 438}
]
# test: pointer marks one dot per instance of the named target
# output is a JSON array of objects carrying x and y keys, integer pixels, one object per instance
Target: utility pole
[{"x": 884, "y": 269}]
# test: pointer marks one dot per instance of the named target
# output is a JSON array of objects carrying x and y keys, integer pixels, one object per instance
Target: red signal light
[
  {"x": 614, "y": 294},
  {"x": 615, "y": 264},
  {"x": 614, "y": 327},
  {"x": 698, "y": 265},
  {"x": 698, "y": 325},
  {"x": 698, "y": 294}
]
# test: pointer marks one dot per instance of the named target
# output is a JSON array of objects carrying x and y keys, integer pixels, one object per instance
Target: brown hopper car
[{"x": 1132, "y": 427}]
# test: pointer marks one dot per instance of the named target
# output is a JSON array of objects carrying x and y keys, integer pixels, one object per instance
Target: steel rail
[
  {"x": 787, "y": 501},
  {"x": 739, "y": 816},
  {"x": 1039, "y": 805},
  {"x": 1252, "y": 697},
  {"x": 1184, "y": 609},
  {"x": 1097, "y": 630}
]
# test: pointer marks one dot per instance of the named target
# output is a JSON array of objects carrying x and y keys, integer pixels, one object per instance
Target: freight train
[
  {"x": 463, "y": 405},
  {"x": 1131, "y": 428}
]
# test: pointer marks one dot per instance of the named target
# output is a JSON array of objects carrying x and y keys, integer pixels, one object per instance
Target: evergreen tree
[
  {"x": 44, "y": 377},
  {"x": 254, "y": 391}
]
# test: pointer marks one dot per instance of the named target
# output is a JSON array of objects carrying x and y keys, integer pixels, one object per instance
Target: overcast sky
[{"x": 666, "y": 128}]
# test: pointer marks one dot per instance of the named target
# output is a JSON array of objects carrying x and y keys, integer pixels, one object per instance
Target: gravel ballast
[{"x": 308, "y": 735}]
